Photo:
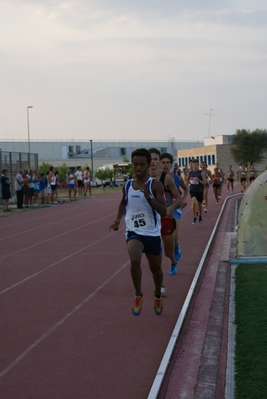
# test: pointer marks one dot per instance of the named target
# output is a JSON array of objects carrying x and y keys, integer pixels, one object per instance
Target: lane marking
[
  {"x": 54, "y": 264},
  {"x": 49, "y": 224},
  {"x": 52, "y": 238},
  {"x": 59, "y": 323}
]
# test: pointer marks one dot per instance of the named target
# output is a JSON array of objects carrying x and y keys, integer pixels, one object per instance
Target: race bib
[
  {"x": 139, "y": 220},
  {"x": 194, "y": 180}
]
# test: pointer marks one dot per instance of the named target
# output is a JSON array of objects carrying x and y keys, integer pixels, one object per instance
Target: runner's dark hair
[
  {"x": 167, "y": 155},
  {"x": 155, "y": 151},
  {"x": 142, "y": 152}
]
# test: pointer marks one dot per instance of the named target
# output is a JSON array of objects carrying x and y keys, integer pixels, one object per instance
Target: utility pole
[{"x": 210, "y": 115}]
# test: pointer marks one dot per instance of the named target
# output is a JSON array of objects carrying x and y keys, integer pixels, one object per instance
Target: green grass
[{"x": 251, "y": 332}]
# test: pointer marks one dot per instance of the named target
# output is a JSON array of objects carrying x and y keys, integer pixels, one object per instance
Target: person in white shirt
[{"x": 79, "y": 178}]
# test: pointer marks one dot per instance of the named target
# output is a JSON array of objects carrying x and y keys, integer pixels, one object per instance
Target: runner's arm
[
  {"x": 120, "y": 213},
  {"x": 169, "y": 183},
  {"x": 186, "y": 190}
]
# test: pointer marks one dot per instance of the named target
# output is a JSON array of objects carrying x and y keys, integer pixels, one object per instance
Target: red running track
[{"x": 66, "y": 295}]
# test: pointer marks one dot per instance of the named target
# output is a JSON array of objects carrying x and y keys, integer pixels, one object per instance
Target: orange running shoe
[
  {"x": 158, "y": 305},
  {"x": 137, "y": 307}
]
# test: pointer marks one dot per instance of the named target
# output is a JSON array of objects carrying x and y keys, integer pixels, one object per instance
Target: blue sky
[{"x": 132, "y": 69}]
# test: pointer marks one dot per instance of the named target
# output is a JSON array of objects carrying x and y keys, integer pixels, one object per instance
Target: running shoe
[
  {"x": 173, "y": 269},
  {"x": 177, "y": 252},
  {"x": 205, "y": 210},
  {"x": 200, "y": 219},
  {"x": 163, "y": 291},
  {"x": 137, "y": 307},
  {"x": 194, "y": 221},
  {"x": 158, "y": 305}
]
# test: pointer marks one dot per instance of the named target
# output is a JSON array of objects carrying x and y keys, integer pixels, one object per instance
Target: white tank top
[
  {"x": 140, "y": 216},
  {"x": 71, "y": 177}
]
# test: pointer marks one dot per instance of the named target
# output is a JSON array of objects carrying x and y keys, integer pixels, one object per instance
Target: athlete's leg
[
  {"x": 206, "y": 192},
  {"x": 169, "y": 245},
  {"x": 215, "y": 194},
  {"x": 135, "y": 250},
  {"x": 154, "y": 262},
  {"x": 194, "y": 206}
]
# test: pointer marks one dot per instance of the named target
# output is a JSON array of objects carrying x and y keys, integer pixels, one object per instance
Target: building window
[
  {"x": 71, "y": 148},
  {"x": 213, "y": 159},
  {"x": 78, "y": 149},
  {"x": 209, "y": 163}
]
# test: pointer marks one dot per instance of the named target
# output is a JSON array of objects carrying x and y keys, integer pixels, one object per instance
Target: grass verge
[{"x": 251, "y": 332}]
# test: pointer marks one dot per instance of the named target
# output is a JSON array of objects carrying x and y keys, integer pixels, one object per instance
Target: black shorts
[
  {"x": 243, "y": 179},
  {"x": 198, "y": 195},
  {"x": 216, "y": 185},
  {"x": 6, "y": 194},
  {"x": 251, "y": 178},
  {"x": 152, "y": 245},
  {"x": 80, "y": 183},
  {"x": 53, "y": 187},
  {"x": 30, "y": 192},
  {"x": 230, "y": 179}
]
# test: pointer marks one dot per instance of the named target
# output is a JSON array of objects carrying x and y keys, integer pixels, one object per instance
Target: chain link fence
[{"x": 13, "y": 162}]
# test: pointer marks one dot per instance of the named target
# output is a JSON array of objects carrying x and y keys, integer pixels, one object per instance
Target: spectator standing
[
  {"x": 48, "y": 189},
  {"x": 19, "y": 188},
  {"x": 5, "y": 183},
  {"x": 57, "y": 184},
  {"x": 87, "y": 181},
  {"x": 70, "y": 178},
  {"x": 53, "y": 186},
  {"x": 25, "y": 187},
  {"x": 42, "y": 187},
  {"x": 79, "y": 178},
  {"x": 36, "y": 187},
  {"x": 30, "y": 188}
]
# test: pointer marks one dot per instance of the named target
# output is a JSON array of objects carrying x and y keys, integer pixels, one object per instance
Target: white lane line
[
  {"x": 53, "y": 207},
  {"x": 53, "y": 238},
  {"x": 41, "y": 226},
  {"x": 53, "y": 264},
  {"x": 59, "y": 323}
]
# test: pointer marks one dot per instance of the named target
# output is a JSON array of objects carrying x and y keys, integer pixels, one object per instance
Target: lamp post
[
  {"x": 210, "y": 115},
  {"x": 28, "y": 123},
  {"x": 92, "y": 163}
]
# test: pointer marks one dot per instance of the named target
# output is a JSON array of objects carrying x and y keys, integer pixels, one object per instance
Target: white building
[{"x": 78, "y": 152}]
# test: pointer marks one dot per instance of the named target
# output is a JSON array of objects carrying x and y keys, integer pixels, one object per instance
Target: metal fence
[{"x": 13, "y": 162}]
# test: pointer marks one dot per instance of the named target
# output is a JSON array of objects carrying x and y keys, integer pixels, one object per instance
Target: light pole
[
  {"x": 92, "y": 163},
  {"x": 28, "y": 123},
  {"x": 210, "y": 115}
]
